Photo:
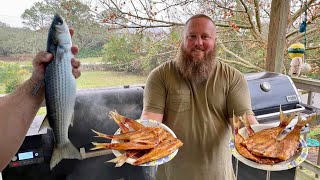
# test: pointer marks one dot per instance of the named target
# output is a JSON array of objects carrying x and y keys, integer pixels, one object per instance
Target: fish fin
[
  {"x": 67, "y": 151},
  {"x": 45, "y": 124}
]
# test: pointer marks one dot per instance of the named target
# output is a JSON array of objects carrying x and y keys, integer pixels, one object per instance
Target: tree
[
  {"x": 242, "y": 24},
  {"x": 20, "y": 41},
  {"x": 88, "y": 35},
  {"x": 38, "y": 16}
]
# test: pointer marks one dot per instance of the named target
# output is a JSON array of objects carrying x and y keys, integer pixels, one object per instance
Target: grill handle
[{"x": 300, "y": 108}]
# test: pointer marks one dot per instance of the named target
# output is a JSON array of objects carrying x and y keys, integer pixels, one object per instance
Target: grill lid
[{"x": 269, "y": 90}]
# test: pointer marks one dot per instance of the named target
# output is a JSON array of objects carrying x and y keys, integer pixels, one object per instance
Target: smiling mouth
[{"x": 197, "y": 50}]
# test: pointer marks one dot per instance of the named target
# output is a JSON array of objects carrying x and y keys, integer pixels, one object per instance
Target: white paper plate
[
  {"x": 148, "y": 123},
  {"x": 292, "y": 162}
]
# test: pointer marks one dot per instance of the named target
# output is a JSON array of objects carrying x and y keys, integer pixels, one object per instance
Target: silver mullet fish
[{"x": 60, "y": 91}]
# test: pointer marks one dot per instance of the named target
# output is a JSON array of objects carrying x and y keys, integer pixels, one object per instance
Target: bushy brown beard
[{"x": 197, "y": 70}]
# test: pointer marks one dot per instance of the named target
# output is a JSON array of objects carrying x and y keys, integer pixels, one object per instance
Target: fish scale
[{"x": 60, "y": 91}]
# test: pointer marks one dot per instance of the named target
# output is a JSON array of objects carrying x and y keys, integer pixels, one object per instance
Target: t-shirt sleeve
[
  {"x": 154, "y": 93},
  {"x": 238, "y": 99}
]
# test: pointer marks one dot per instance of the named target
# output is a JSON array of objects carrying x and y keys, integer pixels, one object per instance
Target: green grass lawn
[
  {"x": 98, "y": 79},
  {"x": 92, "y": 79},
  {"x": 29, "y": 63},
  {"x": 20, "y": 63},
  {"x": 91, "y": 60}
]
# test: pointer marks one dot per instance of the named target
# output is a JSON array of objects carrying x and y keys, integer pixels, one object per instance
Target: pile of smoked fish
[
  {"x": 268, "y": 146},
  {"x": 137, "y": 141}
]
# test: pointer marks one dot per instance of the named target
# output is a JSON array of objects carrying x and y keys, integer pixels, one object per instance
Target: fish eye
[{"x": 60, "y": 22}]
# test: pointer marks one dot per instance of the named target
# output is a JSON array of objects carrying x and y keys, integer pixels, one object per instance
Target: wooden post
[{"x": 277, "y": 35}]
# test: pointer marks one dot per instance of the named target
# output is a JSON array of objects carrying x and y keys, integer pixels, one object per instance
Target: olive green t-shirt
[{"x": 198, "y": 113}]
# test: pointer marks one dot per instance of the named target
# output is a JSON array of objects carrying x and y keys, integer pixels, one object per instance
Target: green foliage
[
  {"x": 98, "y": 79},
  {"x": 11, "y": 75},
  {"x": 89, "y": 35},
  {"x": 20, "y": 41},
  {"x": 38, "y": 16},
  {"x": 91, "y": 60},
  {"x": 12, "y": 85},
  {"x": 121, "y": 51},
  {"x": 88, "y": 52},
  {"x": 141, "y": 52},
  {"x": 314, "y": 133}
]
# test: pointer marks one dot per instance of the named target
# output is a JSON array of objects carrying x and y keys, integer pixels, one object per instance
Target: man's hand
[{"x": 43, "y": 57}]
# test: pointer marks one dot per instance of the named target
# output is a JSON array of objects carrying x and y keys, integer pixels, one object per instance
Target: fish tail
[
  {"x": 115, "y": 116},
  {"x": 285, "y": 120},
  {"x": 246, "y": 123},
  {"x": 99, "y": 134},
  {"x": 99, "y": 145},
  {"x": 302, "y": 123},
  {"x": 67, "y": 151},
  {"x": 120, "y": 160},
  {"x": 115, "y": 160},
  {"x": 236, "y": 122}
]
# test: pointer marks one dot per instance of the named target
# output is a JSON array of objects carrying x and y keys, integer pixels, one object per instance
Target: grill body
[{"x": 269, "y": 91}]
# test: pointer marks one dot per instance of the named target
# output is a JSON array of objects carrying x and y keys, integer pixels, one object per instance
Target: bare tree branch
[
  {"x": 253, "y": 29},
  {"x": 239, "y": 58},
  {"x": 226, "y": 8},
  {"x": 301, "y": 35},
  {"x": 238, "y": 63},
  {"x": 298, "y": 13},
  {"x": 257, "y": 14},
  {"x": 313, "y": 48},
  {"x": 316, "y": 16}
]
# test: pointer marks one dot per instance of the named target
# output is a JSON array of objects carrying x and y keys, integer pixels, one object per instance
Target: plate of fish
[
  {"x": 268, "y": 146},
  {"x": 140, "y": 142}
]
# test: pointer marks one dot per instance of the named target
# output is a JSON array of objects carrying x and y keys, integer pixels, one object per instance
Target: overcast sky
[{"x": 11, "y": 10}]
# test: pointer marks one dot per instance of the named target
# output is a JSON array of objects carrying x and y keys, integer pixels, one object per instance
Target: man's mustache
[{"x": 196, "y": 49}]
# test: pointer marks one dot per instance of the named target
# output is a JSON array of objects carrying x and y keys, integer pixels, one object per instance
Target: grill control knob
[
  {"x": 14, "y": 158},
  {"x": 265, "y": 86}
]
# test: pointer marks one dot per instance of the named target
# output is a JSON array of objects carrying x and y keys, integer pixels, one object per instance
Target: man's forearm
[{"x": 17, "y": 110}]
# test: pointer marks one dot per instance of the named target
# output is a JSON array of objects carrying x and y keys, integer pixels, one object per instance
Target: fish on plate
[
  {"x": 266, "y": 146},
  {"x": 145, "y": 144}
]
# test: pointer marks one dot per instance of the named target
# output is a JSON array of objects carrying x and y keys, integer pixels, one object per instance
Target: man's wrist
[{"x": 38, "y": 84}]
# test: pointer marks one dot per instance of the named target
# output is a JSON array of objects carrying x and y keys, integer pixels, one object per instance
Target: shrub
[{"x": 11, "y": 75}]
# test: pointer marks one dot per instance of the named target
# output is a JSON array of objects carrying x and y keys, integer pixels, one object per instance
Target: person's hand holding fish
[{"x": 43, "y": 58}]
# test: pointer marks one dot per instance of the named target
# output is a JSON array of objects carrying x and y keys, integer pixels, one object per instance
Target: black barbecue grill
[{"x": 268, "y": 92}]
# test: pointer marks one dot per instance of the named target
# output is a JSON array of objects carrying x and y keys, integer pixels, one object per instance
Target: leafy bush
[
  {"x": 120, "y": 51},
  {"x": 11, "y": 75},
  {"x": 86, "y": 53},
  {"x": 139, "y": 53},
  {"x": 12, "y": 85}
]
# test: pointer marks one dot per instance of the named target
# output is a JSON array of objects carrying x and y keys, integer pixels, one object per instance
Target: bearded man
[{"x": 195, "y": 95}]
